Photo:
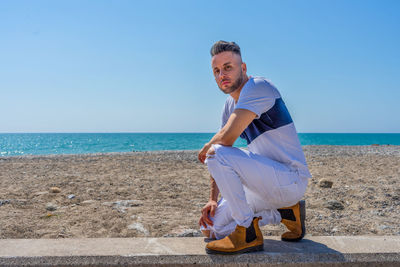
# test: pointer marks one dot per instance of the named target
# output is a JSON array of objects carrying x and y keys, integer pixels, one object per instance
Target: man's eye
[
  {"x": 228, "y": 68},
  {"x": 216, "y": 71}
]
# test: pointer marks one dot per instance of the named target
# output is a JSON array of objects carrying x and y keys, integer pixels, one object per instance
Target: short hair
[{"x": 223, "y": 46}]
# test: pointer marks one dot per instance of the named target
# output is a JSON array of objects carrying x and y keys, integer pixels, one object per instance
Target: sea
[{"x": 17, "y": 144}]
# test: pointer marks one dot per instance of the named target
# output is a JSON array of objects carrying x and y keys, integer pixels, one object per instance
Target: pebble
[
  {"x": 122, "y": 205},
  {"x": 51, "y": 207},
  {"x": 90, "y": 191},
  {"x": 334, "y": 205},
  {"x": 55, "y": 189},
  {"x": 383, "y": 227},
  {"x": 4, "y": 201},
  {"x": 169, "y": 235},
  {"x": 324, "y": 183},
  {"x": 190, "y": 233},
  {"x": 21, "y": 201},
  {"x": 129, "y": 203},
  {"x": 138, "y": 227},
  {"x": 87, "y": 202},
  {"x": 185, "y": 233},
  {"x": 71, "y": 196},
  {"x": 136, "y": 217}
]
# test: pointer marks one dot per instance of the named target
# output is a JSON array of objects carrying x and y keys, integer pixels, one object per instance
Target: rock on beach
[
  {"x": 51, "y": 207},
  {"x": 122, "y": 205},
  {"x": 138, "y": 227},
  {"x": 55, "y": 189},
  {"x": 324, "y": 183},
  {"x": 190, "y": 233},
  {"x": 334, "y": 205},
  {"x": 4, "y": 201}
]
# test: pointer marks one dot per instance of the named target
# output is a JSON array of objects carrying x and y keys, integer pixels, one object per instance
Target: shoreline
[{"x": 373, "y": 148}]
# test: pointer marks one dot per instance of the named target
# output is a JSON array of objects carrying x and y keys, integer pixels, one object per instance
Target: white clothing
[
  {"x": 272, "y": 173},
  {"x": 272, "y": 134},
  {"x": 251, "y": 186}
]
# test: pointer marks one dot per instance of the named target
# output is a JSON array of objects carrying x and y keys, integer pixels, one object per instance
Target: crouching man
[{"x": 262, "y": 184}]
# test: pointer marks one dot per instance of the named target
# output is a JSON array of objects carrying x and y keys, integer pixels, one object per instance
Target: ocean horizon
[{"x": 17, "y": 144}]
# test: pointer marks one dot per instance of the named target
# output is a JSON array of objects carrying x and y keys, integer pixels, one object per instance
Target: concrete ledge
[{"x": 312, "y": 251}]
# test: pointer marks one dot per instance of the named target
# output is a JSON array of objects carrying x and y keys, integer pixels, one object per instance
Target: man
[{"x": 256, "y": 183}]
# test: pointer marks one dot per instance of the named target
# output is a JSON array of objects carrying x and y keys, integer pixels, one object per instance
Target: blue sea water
[{"x": 15, "y": 144}]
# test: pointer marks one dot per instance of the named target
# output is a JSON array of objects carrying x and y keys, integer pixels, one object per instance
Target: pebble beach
[{"x": 355, "y": 190}]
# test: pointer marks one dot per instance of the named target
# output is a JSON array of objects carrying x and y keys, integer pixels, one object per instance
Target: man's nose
[{"x": 222, "y": 75}]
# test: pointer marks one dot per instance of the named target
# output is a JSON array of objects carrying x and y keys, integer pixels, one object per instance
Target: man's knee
[
  {"x": 211, "y": 153},
  {"x": 220, "y": 149},
  {"x": 220, "y": 157}
]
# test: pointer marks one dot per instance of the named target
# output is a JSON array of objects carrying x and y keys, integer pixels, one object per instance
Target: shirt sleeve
[
  {"x": 257, "y": 97},
  {"x": 225, "y": 115}
]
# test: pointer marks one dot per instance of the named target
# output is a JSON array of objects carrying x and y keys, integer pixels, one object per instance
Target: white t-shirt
[{"x": 272, "y": 133}]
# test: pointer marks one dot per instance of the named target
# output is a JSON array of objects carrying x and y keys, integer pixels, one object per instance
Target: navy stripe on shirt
[{"x": 275, "y": 117}]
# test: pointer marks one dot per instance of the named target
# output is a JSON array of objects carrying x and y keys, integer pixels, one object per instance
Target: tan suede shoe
[
  {"x": 239, "y": 241},
  {"x": 293, "y": 218}
]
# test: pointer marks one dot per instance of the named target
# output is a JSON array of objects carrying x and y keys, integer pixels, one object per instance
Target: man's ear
[{"x": 244, "y": 68}]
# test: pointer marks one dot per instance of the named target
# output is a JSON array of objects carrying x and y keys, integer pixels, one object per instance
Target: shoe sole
[
  {"x": 245, "y": 250},
  {"x": 302, "y": 221}
]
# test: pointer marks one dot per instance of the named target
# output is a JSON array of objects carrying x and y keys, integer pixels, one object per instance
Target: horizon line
[{"x": 185, "y": 132}]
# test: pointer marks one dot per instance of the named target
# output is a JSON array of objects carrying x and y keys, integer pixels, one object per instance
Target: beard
[{"x": 236, "y": 84}]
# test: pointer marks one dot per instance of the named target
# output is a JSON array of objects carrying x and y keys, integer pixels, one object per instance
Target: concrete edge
[{"x": 312, "y": 251}]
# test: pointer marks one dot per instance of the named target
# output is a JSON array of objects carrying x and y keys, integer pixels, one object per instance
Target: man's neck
[{"x": 235, "y": 95}]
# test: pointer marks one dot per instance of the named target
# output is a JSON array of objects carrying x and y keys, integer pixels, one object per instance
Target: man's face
[{"x": 229, "y": 71}]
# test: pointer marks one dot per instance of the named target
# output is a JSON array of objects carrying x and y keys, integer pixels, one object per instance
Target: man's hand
[
  {"x": 207, "y": 149},
  {"x": 208, "y": 209}
]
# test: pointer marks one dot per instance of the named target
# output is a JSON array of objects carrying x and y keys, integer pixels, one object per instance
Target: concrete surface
[{"x": 311, "y": 251}]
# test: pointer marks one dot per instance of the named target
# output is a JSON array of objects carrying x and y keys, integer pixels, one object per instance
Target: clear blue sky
[{"x": 144, "y": 66}]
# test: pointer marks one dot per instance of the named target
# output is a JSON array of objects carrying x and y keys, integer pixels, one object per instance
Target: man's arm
[
  {"x": 214, "y": 190},
  {"x": 236, "y": 124},
  {"x": 211, "y": 206}
]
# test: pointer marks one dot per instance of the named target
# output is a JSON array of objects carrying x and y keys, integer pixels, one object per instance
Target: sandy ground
[{"x": 161, "y": 194}]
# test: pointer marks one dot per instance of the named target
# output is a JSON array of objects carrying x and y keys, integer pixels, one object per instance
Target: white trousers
[{"x": 250, "y": 185}]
